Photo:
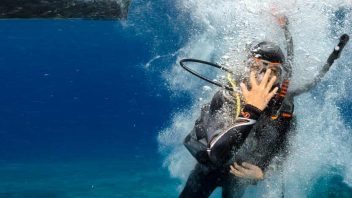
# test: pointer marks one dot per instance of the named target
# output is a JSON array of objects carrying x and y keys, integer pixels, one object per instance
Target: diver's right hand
[{"x": 260, "y": 94}]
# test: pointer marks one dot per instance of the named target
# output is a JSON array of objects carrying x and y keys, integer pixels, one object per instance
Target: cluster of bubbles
[{"x": 220, "y": 31}]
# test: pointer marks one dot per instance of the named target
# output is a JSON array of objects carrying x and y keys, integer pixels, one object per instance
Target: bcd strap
[{"x": 277, "y": 102}]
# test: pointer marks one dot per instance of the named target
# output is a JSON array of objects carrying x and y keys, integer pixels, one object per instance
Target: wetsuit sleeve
[{"x": 289, "y": 49}]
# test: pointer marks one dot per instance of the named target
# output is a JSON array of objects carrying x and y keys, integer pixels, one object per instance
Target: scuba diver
[{"x": 234, "y": 147}]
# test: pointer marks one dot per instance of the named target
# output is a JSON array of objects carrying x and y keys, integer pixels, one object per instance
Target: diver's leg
[
  {"x": 201, "y": 183},
  {"x": 234, "y": 187}
]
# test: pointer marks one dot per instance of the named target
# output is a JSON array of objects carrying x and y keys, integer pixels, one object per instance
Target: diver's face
[{"x": 260, "y": 66}]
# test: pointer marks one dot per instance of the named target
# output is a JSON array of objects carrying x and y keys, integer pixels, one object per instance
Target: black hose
[
  {"x": 205, "y": 78},
  {"x": 337, "y": 51}
]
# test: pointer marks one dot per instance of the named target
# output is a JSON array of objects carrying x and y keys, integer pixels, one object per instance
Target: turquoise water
[{"x": 139, "y": 177}]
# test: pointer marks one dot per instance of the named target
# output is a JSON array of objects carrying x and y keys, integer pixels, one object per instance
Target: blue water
[
  {"x": 64, "y": 90},
  {"x": 80, "y": 112}
]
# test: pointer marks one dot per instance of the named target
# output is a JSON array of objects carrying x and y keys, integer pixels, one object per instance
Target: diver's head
[{"x": 266, "y": 55}]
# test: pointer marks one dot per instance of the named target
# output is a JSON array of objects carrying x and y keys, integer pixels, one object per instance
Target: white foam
[{"x": 222, "y": 28}]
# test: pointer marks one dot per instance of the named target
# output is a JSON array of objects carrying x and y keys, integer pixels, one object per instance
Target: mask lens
[{"x": 260, "y": 66}]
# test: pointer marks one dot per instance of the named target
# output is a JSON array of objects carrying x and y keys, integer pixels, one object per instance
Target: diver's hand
[
  {"x": 260, "y": 94},
  {"x": 282, "y": 20},
  {"x": 247, "y": 171}
]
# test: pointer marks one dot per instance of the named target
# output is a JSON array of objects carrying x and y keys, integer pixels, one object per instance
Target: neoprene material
[{"x": 268, "y": 51}]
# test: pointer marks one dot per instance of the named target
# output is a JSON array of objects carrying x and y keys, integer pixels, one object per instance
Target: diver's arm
[
  {"x": 289, "y": 45},
  {"x": 333, "y": 56},
  {"x": 308, "y": 86},
  {"x": 283, "y": 22}
]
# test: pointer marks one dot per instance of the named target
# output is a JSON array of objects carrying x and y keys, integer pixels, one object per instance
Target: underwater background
[{"x": 99, "y": 108}]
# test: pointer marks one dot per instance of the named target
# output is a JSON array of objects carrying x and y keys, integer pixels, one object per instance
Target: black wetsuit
[{"x": 257, "y": 143}]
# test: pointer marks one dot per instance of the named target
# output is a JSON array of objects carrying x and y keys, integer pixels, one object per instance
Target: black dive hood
[
  {"x": 84, "y": 9},
  {"x": 268, "y": 51}
]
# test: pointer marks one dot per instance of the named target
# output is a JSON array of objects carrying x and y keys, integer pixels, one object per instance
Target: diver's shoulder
[{"x": 224, "y": 95}]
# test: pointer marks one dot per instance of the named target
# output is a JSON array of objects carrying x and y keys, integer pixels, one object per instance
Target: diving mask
[{"x": 260, "y": 66}]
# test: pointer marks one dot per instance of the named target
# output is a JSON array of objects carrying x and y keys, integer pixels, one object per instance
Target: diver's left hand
[
  {"x": 281, "y": 18},
  {"x": 247, "y": 171}
]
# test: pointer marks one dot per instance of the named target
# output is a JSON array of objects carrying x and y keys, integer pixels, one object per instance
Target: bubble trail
[{"x": 322, "y": 143}]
